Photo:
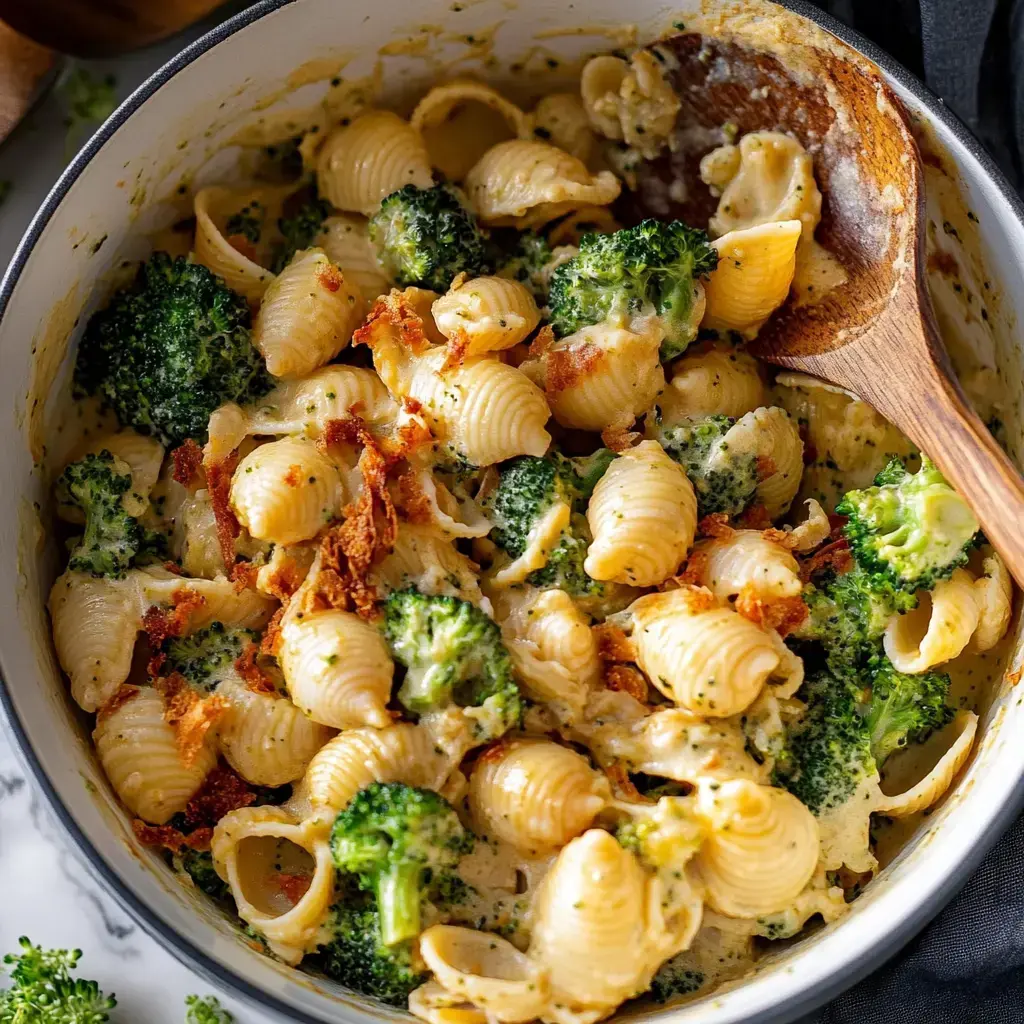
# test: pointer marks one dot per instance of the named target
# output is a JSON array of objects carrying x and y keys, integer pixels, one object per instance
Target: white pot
[{"x": 158, "y": 137}]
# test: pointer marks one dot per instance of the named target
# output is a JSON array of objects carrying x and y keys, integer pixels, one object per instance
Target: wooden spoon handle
[{"x": 23, "y": 66}]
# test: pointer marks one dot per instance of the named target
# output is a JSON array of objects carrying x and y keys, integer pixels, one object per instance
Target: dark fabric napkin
[{"x": 967, "y": 967}]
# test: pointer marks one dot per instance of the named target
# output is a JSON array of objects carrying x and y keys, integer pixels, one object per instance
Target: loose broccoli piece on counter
[
  {"x": 829, "y": 748},
  {"x": 395, "y": 838},
  {"x": 911, "y": 527},
  {"x": 207, "y": 655},
  {"x": 43, "y": 992},
  {"x": 525, "y": 262},
  {"x": 198, "y": 865},
  {"x": 905, "y": 709},
  {"x": 113, "y": 536},
  {"x": 169, "y": 349},
  {"x": 299, "y": 230},
  {"x": 724, "y": 480},
  {"x": 453, "y": 653},
  {"x": 426, "y": 236},
  {"x": 356, "y": 957},
  {"x": 206, "y": 1010},
  {"x": 675, "y": 977},
  {"x": 644, "y": 270}
]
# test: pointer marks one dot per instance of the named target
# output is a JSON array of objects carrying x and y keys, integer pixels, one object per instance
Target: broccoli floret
[
  {"x": 905, "y": 709},
  {"x": 43, "y": 992},
  {"x": 643, "y": 270},
  {"x": 426, "y": 236},
  {"x": 198, "y": 865},
  {"x": 299, "y": 230},
  {"x": 247, "y": 223},
  {"x": 113, "y": 536},
  {"x": 828, "y": 753},
  {"x": 395, "y": 838},
  {"x": 356, "y": 957},
  {"x": 206, "y": 1010},
  {"x": 170, "y": 349},
  {"x": 911, "y": 527},
  {"x": 723, "y": 480},
  {"x": 675, "y": 977},
  {"x": 452, "y": 652},
  {"x": 205, "y": 656},
  {"x": 525, "y": 262}
]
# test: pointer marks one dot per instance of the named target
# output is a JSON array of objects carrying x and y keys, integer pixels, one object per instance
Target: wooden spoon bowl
[{"x": 875, "y": 335}]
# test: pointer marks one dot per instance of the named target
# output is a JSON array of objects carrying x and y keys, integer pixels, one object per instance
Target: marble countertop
[{"x": 48, "y": 894}]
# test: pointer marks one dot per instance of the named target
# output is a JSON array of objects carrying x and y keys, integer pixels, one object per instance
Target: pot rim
[{"x": 176, "y": 943}]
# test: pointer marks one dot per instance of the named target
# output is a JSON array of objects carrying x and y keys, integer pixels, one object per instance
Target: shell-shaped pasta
[
  {"x": 139, "y": 753},
  {"x": 716, "y": 380},
  {"x": 993, "y": 593},
  {"x": 337, "y": 669},
  {"x": 240, "y": 273},
  {"x": 526, "y": 184},
  {"x": 594, "y": 926},
  {"x": 545, "y": 681},
  {"x": 938, "y": 629},
  {"x": 535, "y": 794},
  {"x": 486, "y": 410},
  {"x": 252, "y": 848},
  {"x": 631, "y": 102},
  {"x": 487, "y": 971},
  {"x": 196, "y": 538},
  {"x": 143, "y": 455},
  {"x": 366, "y": 161},
  {"x": 761, "y": 850},
  {"x": 561, "y": 119},
  {"x": 754, "y": 273},
  {"x": 603, "y": 376},
  {"x": 486, "y": 314},
  {"x": 562, "y": 633},
  {"x": 307, "y": 315},
  {"x": 95, "y": 623},
  {"x": 436, "y": 1005},
  {"x": 435, "y": 504},
  {"x": 425, "y": 558},
  {"x": 748, "y": 561},
  {"x": 345, "y": 238},
  {"x": 457, "y": 123},
  {"x": 771, "y": 179},
  {"x": 402, "y": 752},
  {"x": 264, "y": 737},
  {"x": 305, "y": 406},
  {"x": 773, "y": 438},
  {"x": 222, "y": 602},
  {"x": 564, "y": 237},
  {"x": 643, "y": 516},
  {"x": 286, "y": 491},
  {"x": 707, "y": 659}
]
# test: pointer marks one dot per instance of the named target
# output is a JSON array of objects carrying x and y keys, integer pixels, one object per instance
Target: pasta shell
[
  {"x": 143, "y": 455},
  {"x": 307, "y": 316},
  {"x": 748, "y": 561},
  {"x": 345, "y": 238},
  {"x": 527, "y": 184},
  {"x": 337, "y": 669},
  {"x": 562, "y": 633},
  {"x": 286, "y": 491},
  {"x": 426, "y": 559},
  {"x": 222, "y": 601},
  {"x": 643, "y": 516},
  {"x": 264, "y": 737},
  {"x": 754, "y": 273},
  {"x": 535, "y": 794},
  {"x": 489, "y": 313},
  {"x": 720, "y": 380},
  {"x": 561, "y": 119},
  {"x": 366, "y": 161},
  {"x": 761, "y": 851},
  {"x": 993, "y": 593},
  {"x": 139, "y": 753}
]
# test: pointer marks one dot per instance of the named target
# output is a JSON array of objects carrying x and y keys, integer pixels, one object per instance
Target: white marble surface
[{"x": 47, "y": 893}]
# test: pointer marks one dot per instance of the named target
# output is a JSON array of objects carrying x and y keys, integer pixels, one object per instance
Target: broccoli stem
[{"x": 398, "y": 900}]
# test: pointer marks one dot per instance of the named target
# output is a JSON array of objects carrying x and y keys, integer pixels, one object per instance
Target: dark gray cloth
[{"x": 967, "y": 967}]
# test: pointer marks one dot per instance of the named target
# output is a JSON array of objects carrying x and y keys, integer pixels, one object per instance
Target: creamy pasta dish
[{"x": 461, "y": 604}]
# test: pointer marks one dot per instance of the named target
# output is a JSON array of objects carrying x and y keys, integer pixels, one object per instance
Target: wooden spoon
[
  {"x": 876, "y": 335},
  {"x": 25, "y": 68}
]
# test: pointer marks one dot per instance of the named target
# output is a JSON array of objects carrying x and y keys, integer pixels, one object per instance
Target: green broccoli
[
  {"x": 724, "y": 480},
  {"x": 198, "y": 865},
  {"x": 426, "y": 236},
  {"x": 675, "y": 977},
  {"x": 395, "y": 838},
  {"x": 206, "y": 1010},
  {"x": 638, "y": 271},
  {"x": 525, "y": 262},
  {"x": 828, "y": 751},
  {"x": 911, "y": 527},
  {"x": 207, "y": 655},
  {"x": 88, "y": 99},
  {"x": 43, "y": 991},
  {"x": 356, "y": 957},
  {"x": 113, "y": 536},
  {"x": 453, "y": 652},
  {"x": 170, "y": 349},
  {"x": 905, "y": 709},
  {"x": 299, "y": 230}
]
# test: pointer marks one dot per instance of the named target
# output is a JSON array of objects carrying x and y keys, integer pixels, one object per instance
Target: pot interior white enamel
[{"x": 116, "y": 191}]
